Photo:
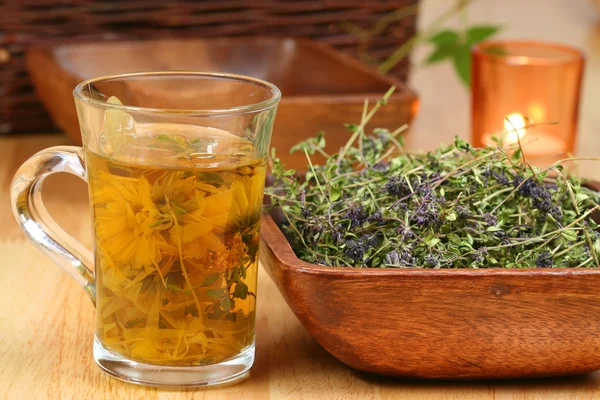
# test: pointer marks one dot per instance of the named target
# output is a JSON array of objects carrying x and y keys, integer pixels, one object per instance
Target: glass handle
[{"x": 36, "y": 222}]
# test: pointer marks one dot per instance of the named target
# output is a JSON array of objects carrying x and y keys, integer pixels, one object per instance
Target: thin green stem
[
  {"x": 312, "y": 168},
  {"x": 491, "y": 196},
  {"x": 360, "y": 129},
  {"x": 568, "y": 249},
  {"x": 462, "y": 167},
  {"x": 399, "y": 54}
]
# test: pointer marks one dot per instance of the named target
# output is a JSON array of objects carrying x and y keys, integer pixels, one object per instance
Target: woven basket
[{"x": 25, "y": 23}]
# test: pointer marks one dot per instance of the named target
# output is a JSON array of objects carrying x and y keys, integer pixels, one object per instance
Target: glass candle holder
[{"x": 526, "y": 91}]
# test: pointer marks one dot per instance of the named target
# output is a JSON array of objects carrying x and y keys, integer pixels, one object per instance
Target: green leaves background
[{"x": 456, "y": 46}]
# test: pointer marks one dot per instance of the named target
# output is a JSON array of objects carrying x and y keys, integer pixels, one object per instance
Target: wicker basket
[{"x": 24, "y": 23}]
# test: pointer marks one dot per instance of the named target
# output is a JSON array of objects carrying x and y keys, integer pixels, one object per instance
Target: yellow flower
[
  {"x": 129, "y": 221},
  {"x": 231, "y": 257},
  {"x": 240, "y": 205}
]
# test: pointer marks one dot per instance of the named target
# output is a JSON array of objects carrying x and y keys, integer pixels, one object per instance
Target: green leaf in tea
[
  {"x": 210, "y": 279},
  {"x": 211, "y": 178},
  {"x": 220, "y": 292},
  {"x": 241, "y": 290}
]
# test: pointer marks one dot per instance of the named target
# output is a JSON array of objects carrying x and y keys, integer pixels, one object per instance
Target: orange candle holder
[{"x": 526, "y": 91}]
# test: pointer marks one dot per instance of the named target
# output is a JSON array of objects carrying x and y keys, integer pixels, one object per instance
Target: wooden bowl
[
  {"x": 322, "y": 88},
  {"x": 447, "y": 324}
]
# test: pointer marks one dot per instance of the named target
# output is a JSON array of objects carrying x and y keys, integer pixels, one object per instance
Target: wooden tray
[
  {"x": 28, "y": 23},
  {"x": 322, "y": 88},
  {"x": 444, "y": 324}
]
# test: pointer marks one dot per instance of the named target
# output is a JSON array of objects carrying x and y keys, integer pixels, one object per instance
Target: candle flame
[{"x": 514, "y": 128}]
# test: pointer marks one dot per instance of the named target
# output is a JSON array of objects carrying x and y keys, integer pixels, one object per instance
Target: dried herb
[{"x": 373, "y": 204}]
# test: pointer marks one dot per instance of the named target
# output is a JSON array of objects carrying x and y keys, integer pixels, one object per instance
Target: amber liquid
[{"x": 176, "y": 223}]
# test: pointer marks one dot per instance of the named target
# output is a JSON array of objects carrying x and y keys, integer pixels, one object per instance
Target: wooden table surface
[{"x": 46, "y": 320}]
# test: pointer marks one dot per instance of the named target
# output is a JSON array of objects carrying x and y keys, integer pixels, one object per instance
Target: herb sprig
[{"x": 373, "y": 204}]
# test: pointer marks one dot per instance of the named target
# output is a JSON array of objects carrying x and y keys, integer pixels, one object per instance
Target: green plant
[
  {"x": 372, "y": 204},
  {"x": 447, "y": 44}
]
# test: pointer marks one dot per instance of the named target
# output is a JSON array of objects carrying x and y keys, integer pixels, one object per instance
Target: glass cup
[
  {"x": 528, "y": 92},
  {"x": 175, "y": 165}
]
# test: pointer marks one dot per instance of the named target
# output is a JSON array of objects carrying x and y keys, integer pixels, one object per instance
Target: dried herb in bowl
[{"x": 372, "y": 204}]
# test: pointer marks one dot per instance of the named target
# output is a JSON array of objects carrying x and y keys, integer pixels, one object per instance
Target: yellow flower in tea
[
  {"x": 241, "y": 205},
  {"x": 129, "y": 225},
  {"x": 233, "y": 255},
  {"x": 177, "y": 263}
]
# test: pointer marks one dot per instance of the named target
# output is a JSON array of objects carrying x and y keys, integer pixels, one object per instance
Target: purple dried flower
[
  {"x": 397, "y": 186},
  {"x": 556, "y": 213},
  {"x": 544, "y": 260},
  {"x": 477, "y": 257},
  {"x": 428, "y": 212},
  {"x": 382, "y": 166},
  {"x": 517, "y": 180},
  {"x": 337, "y": 235},
  {"x": 424, "y": 190},
  {"x": 370, "y": 241},
  {"x": 355, "y": 250},
  {"x": 306, "y": 212},
  {"x": 405, "y": 233},
  {"x": 431, "y": 261},
  {"x": 480, "y": 255},
  {"x": 428, "y": 216},
  {"x": 541, "y": 197},
  {"x": 392, "y": 258},
  {"x": 400, "y": 259},
  {"x": 462, "y": 212},
  {"x": 542, "y": 200},
  {"x": 501, "y": 178},
  {"x": 528, "y": 188},
  {"x": 357, "y": 216},
  {"x": 490, "y": 219},
  {"x": 421, "y": 218},
  {"x": 376, "y": 216}
]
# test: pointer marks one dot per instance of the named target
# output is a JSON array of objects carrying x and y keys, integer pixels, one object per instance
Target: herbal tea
[{"x": 177, "y": 244}]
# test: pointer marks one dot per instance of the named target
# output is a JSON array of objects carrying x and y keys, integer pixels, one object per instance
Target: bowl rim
[
  {"x": 306, "y": 44},
  {"x": 274, "y": 238}
]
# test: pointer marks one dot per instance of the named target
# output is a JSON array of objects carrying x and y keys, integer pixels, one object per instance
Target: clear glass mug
[{"x": 175, "y": 164}]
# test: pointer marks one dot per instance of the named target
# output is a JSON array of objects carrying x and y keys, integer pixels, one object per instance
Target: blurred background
[{"x": 361, "y": 48}]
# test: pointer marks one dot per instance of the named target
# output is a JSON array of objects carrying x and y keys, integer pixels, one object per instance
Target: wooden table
[{"x": 46, "y": 320}]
